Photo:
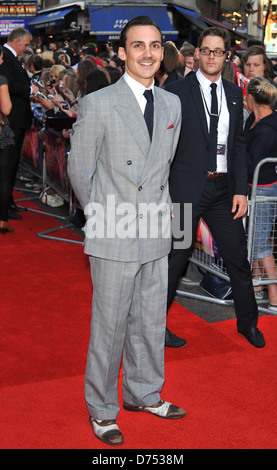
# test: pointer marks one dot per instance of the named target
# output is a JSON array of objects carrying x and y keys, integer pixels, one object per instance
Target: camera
[
  {"x": 40, "y": 95},
  {"x": 64, "y": 105},
  {"x": 37, "y": 83}
]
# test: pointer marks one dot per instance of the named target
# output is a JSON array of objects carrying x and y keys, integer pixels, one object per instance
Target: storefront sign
[
  {"x": 15, "y": 14},
  {"x": 17, "y": 9}
]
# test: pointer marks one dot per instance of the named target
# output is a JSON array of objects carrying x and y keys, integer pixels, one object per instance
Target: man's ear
[
  {"x": 121, "y": 53},
  {"x": 197, "y": 53}
]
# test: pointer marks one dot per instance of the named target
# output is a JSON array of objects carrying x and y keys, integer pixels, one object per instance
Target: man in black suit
[
  {"x": 20, "y": 90},
  {"x": 209, "y": 171}
]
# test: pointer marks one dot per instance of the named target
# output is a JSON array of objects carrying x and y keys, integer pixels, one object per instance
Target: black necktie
[
  {"x": 213, "y": 129},
  {"x": 149, "y": 111}
]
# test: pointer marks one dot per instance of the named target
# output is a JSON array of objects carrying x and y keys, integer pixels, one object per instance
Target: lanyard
[{"x": 205, "y": 103}]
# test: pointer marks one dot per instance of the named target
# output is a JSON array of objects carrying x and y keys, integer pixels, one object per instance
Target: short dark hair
[
  {"x": 138, "y": 21},
  {"x": 216, "y": 31},
  {"x": 36, "y": 61}
]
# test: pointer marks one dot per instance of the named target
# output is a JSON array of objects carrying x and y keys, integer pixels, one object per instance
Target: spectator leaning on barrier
[{"x": 261, "y": 135}]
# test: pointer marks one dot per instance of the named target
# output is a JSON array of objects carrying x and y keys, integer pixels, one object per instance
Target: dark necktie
[
  {"x": 149, "y": 111},
  {"x": 213, "y": 129}
]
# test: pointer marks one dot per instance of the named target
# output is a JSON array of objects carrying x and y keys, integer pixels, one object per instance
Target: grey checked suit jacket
[{"x": 111, "y": 155}]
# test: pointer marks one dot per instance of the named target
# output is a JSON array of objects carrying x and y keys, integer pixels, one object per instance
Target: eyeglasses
[{"x": 216, "y": 53}]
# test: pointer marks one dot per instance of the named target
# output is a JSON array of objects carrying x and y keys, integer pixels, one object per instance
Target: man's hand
[{"x": 240, "y": 205}]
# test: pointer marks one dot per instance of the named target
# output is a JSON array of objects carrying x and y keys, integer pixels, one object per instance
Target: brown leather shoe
[
  {"x": 5, "y": 227},
  {"x": 107, "y": 431},
  {"x": 162, "y": 409}
]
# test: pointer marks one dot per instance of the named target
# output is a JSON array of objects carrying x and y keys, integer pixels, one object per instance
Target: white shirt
[
  {"x": 11, "y": 49},
  {"x": 138, "y": 89},
  {"x": 224, "y": 118}
]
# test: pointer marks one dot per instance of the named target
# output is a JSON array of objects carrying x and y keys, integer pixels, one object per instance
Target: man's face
[
  {"x": 143, "y": 53},
  {"x": 189, "y": 62},
  {"x": 210, "y": 65},
  {"x": 254, "y": 66},
  {"x": 20, "y": 45}
]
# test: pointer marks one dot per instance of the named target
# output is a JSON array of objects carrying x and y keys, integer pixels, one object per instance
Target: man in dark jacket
[
  {"x": 209, "y": 171},
  {"x": 20, "y": 90}
]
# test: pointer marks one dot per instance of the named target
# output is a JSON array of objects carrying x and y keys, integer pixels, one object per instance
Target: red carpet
[{"x": 227, "y": 387}]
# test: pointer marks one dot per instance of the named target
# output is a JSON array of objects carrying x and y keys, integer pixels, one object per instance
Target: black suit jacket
[
  {"x": 19, "y": 89},
  {"x": 190, "y": 165}
]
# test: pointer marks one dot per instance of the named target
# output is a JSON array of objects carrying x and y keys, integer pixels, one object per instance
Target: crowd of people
[{"x": 240, "y": 130}]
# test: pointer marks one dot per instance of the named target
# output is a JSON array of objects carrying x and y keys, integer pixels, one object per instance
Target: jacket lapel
[
  {"x": 17, "y": 64},
  {"x": 196, "y": 93},
  {"x": 130, "y": 113},
  {"x": 232, "y": 103},
  {"x": 161, "y": 122}
]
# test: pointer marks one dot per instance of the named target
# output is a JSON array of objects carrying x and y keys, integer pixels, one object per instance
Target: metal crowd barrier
[
  {"x": 53, "y": 173},
  {"x": 210, "y": 262}
]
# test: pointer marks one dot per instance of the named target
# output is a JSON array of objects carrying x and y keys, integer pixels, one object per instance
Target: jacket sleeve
[{"x": 86, "y": 142}]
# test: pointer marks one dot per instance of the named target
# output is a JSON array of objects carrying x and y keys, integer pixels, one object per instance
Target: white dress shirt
[
  {"x": 11, "y": 49},
  {"x": 138, "y": 89},
  {"x": 224, "y": 118}
]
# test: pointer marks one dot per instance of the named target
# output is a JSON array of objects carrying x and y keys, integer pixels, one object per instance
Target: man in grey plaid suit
[{"x": 120, "y": 177}]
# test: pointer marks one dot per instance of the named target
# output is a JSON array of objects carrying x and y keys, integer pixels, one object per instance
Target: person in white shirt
[{"x": 209, "y": 171}]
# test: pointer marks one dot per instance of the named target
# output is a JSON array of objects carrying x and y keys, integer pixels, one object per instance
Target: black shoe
[
  {"x": 255, "y": 337},
  {"x": 13, "y": 215},
  {"x": 173, "y": 341},
  {"x": 16, "y": 208}
]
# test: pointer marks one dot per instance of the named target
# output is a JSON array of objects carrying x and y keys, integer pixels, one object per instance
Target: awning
[
  {"x": 192, "y": 16},
  {"x": 223, "y": 25},
  {"x": 53, "y": 18},
  {"x": 217, "y": 23},
  {"x": 108, "y": 21}
]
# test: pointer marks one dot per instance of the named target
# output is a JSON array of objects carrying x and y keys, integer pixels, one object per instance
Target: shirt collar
[
  {"x": 11, "y": 49},
  {"x": 205, "y": 82},
  {"x": 137, "y": 88}
]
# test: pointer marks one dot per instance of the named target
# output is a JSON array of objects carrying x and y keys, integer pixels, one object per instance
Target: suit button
[
  {"x": 129, "y": 162},
  {"x": 169, "y": 161},
  {"x": 162, "y": 187},
  {"x": 140, "y": 188}
]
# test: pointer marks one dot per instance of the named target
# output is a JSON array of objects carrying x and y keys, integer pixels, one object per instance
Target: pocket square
[{"x": 171, "y": 126}]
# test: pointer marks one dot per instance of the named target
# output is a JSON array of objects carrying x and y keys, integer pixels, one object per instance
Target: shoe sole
[
  {"x": 175, "y": 347},
  {"x": 134, "y": 409}
]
